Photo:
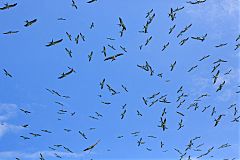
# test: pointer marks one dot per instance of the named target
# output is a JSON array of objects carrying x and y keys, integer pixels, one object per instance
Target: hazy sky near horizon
[{"x": 35, "y": 67}]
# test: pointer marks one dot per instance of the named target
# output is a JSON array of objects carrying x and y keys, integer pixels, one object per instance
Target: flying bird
[
  {"x": 90, "y": 56},
  {"x": 11, "y": 32},
  {"x": 218, "y": 120},
  {"x": 182, "y": 42},
  {"x": 172, "y": 14},
  {"x": 220, "y": 86},
  {"x": 69, "y": 36},
  {"x": 121, "y": 24},
  {"x": 113, "y": 57},
  {"x": 92, "y": 25},
  {"x": 221, "y": 45},
  {"x": 92, "y": 146},
  {"x": 140, "y": 142},
  {"x": 200, "y": 38},
  {"x": 91, "y": 1},
  {"x": 52, "y": 43},
  {"x": 74, "y": 4},
  {"x": 69, "y": 52},
  {"x": 204, "y": 57},
  {"x": 8, "y": 6},
  {"x": 172, "y": 66},
  {"x": 102, "y": 83},
  {"x": 82, "y": 134},
  {"x": 196, "y": 2},
  {"x": 25, "y": 111},
  {"x": 29, "y": 23},
  {"x": 7, "y": 73},
  {"x": 63, "y": 75},
  {"x": 165, "y": 46}
]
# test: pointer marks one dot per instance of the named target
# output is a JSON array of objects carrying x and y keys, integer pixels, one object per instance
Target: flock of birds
[{"x": 195, "y": 144}]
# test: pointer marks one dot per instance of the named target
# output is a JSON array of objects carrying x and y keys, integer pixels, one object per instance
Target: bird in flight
[
  {"x": 91, "y": 1},
  {"x": 82, "y": 134},
  {"x": 172, "y": 66},
  {"x": 74, "y": 4},
  {"x": 29, "y": 23},
  {"x": 63, "y": 75},
  {"x": 67, "y": 130},
  {"x": 7, "y": 73},
  {"x": 35, "y": 134},
  {"x": 215, "y": 67},
  {"x": 123, "y": 114},
  {"x": 92, "y": 25},
  {"x": 200, "y": 38},
  {"x": 61, "y": 19},
  {"x": 41, "y": 157},
  {"x": 69, "y": 36},
  {"x": 11, "y": 32},
  {"x": 52, "y": 43},
  {"x": 113, "y": 57},
  {"x": 125, "y": 88},
  {"x": 102, "y": 83},
  {"x": 25, "y": 111},
  {"x": 172, "y": 14},
  {"x": 163, "y": 124},
  {"x": 139, "y": 114},
  {"x": 178, "y": 9},
  {"x": 165, "y": 46},
  {"x": 215, "y": 77},
  {"x": 218, "y": 119},
  {"x": 171, "y": 29},
  {"x": 149, "y": 13},
  {"x": 221, "y": 45},
  {"x": 90, "y": 56},
  {"x": 184, "y": 30},
  {"x": 237, "y": 46},
  {"x": 220, "y": 86},
  {"x": 69, "y": 52},
  {"x": 140, "y": 142},
  {"x": 46, "y": 131},
  {"x": 121, "y": 24},
  {"x": 148, "y": 40},
  {"x": 183, "y": 41},
  {"x": 192, "y": 68},
  {"x": 204, "y": 57},
  {"x": 196, "y": 2},
  {"x": 180, "y": 124},
  {"x": 82, "y": 36},
  {"x": 25, "y": 138},
  {"x": 123, "y": 48},
  {"x": 8, "y": 6},
  {"x": 104, "y": 51},
  {"x": 92, "y": 146}
]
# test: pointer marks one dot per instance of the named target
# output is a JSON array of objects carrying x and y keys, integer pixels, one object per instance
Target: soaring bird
[
  {"x": 29, "y": 23},
  {"x": 8, "y": 6},
  {"x": 121, "y": 24},
  {"x": 200, "y": 38},
  {"x": 92, "y": 146},
  {"x": 7, "y": 73},
  {"x": 172, "y": 66},
  {"x": 218, "y": 119},
  {"x": 52, "y": 43},
  {"x": 11, "y": 32},
  {"x": 197, "y": 2},
  {"x": 113, "y": 57},
  {"x": 91, "y": 1},
  {"x": 102, "y": 83}
]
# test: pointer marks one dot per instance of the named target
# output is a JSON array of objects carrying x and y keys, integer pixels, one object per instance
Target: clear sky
[{"x": 35, "y": 67}]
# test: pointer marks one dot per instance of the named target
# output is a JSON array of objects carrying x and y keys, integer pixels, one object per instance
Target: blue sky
[{"x": 35, "y": 67}]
